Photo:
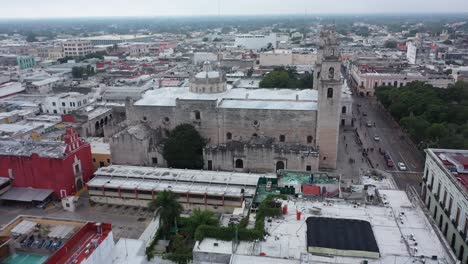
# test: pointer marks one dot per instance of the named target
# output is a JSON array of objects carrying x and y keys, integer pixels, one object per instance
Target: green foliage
[
  {"x": 433, "y": 117},
  {"x": 169, "y": 209},
  {"x": 64, "y": 59},
  {"x": 287, "y": 78},
  {"x": 184, "y": 148},
  {"x": 448, "y": 42},
  {"x": 31, "y": 37},
  {"x": 79, "y": 72},
  {"x": 391, "y": 44},
  {"x": 268, "y": 208},
  {"x": 199, "y": 218}
]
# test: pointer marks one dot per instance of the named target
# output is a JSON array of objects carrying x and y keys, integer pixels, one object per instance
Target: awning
[{"x": 26, "y": 194}]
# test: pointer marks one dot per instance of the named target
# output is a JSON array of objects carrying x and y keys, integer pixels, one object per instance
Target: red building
[{"x": 61, "y": 166}]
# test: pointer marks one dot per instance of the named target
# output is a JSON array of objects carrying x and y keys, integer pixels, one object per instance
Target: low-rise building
[
  {"x": 62, "y": 167},
  {"x": 366, "y": 75},
  {"x": 100, "y": 151},
  {"x": 31, "y": 239},
  {"x": 137, "y": 186},
  {"x": 286, "y": 58},
  {"x": 64, "y": 103},
  {"x": 444, "y": 191}
]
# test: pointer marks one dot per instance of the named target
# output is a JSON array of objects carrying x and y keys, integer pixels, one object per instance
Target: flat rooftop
[
  {"x": 180, "y": 175},
  {"x": 397, "y": 227},
  {"x": 236, "y": 98},
  {"x": 455, "y": 161},
  {"x": 46, "y": 149},
  {"x": 178, "y": 181}
]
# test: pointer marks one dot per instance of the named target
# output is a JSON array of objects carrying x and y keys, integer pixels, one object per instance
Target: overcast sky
[{"x": 85, "y": 8}]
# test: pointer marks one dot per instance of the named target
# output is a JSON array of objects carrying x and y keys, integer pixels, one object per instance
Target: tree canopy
[
  {"x": 432, "y": 116},
  {"x": 169, "y": 209},
  {"x": 288, "y": 77},
  {"x": 79, "y": 72},
  {"x": 183, "y": 148}
]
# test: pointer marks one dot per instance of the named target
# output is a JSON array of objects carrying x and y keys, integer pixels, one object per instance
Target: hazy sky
[{"x": 80, "y": 8}]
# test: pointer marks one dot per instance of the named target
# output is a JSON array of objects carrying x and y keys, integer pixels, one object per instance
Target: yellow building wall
[{"x": 101, "y": 160}]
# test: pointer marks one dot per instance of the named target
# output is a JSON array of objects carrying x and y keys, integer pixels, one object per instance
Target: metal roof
[{"x": 26, "y": 194}]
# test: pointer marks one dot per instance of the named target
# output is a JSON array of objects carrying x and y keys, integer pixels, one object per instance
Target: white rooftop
[
  {"x": 397, "y": 227},
  {"x": 179, "y": 181},
  {"x": 98, "y": 146},
  {"x": 246, "y": 98}
]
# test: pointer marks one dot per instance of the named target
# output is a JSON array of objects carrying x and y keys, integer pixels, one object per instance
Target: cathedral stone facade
[{"x": 250, "y": 130}]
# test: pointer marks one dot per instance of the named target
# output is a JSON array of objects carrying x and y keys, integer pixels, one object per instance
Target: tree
[
  {"x": 77, "y": 72},
  {"x": 169, "y": 209},
  {"x": 205, "y": 39},
  {"x": 184, "y": 148},
  {"x": 31, "y": 37},
  {"x": 286, "y": 78},
  {"x": 390, "y": 44},
  {"x": 448, "y": 42},
  {"x": 436, "y": 131},
  {"x": 199, "y": 218},
  {"x": 250, "y": 72}
]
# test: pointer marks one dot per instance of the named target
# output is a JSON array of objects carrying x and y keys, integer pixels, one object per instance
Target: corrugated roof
[{"x": 26, "y": 194}]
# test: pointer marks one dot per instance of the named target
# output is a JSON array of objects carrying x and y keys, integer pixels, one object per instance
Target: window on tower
[
  {"x": 330, "y": 93},
  {"x": 331, "y": 73}
]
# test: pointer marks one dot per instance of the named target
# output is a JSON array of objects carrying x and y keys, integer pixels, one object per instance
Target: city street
[{"x": 390, "y": 139}]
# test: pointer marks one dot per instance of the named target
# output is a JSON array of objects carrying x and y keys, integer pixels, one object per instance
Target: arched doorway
[
  {"x": 279, "y": 165},
  {"x": 239, "y": 164},
  {"x": 79, "y": 184},
  {"x": 461, "y": 252}
]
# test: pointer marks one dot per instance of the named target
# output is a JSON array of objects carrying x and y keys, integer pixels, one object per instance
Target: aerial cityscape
[{"x": 232, "y": 132}]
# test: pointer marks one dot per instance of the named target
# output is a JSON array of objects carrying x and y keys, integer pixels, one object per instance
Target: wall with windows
[
  {"x": 447, "y": 205},
  {"x": 141, "y": 198}
]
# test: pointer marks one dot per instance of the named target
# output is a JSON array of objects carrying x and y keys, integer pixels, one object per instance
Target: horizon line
[{"x": 237, "y": 15}]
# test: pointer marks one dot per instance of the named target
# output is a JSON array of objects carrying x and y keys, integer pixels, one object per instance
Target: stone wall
[{"x": 259, "y": 158}]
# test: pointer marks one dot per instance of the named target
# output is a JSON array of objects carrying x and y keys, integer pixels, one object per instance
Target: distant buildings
[
  {"x": 21, "y": 62},
  {"x": 366, "y": 74},
  {"x": 77, "y": 48},
  {"x": 64, "y": 103},
  {"x": 286, "y": 58},
  {"x": 256, "y": 42},
  {"x": 444, "y": 192}
]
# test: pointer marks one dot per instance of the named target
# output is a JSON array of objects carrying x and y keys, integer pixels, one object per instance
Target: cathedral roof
[{"x": 287, "y": 99}]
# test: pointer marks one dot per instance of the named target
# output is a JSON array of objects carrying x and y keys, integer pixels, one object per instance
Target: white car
[
  {"x": 401, "y": 166},
  {"x": 376, "y": 138}
]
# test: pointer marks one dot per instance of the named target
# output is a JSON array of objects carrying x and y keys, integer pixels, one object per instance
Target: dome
[{"x": 208, "y": 80}]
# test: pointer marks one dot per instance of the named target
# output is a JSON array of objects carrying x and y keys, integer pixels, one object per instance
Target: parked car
[
  {"x": 369, "y": 124},
  {"x": 402, "y": 166},
  {"x": 376, "y": 138}
]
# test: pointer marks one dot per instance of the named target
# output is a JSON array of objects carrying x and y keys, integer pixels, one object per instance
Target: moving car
[{"x": 401, "y": 166}]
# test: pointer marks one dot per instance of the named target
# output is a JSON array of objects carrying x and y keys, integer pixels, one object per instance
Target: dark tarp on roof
[
  {"x": 342, "y": 234},
  {"x": 26, "y": 194}
]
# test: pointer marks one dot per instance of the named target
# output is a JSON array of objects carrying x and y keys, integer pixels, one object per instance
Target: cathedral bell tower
[{"x": 328, "y": 83}]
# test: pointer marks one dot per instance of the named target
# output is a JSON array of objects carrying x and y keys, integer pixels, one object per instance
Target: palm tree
[
  {"x": 199, "y": 218},
  {"x": 169, "y": 209}
]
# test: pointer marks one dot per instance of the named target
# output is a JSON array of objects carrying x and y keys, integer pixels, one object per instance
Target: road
[{"x": 392, "y": 140}]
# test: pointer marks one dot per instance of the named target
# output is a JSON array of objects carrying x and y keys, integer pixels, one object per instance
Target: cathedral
[{"x": 249, "y": 130}]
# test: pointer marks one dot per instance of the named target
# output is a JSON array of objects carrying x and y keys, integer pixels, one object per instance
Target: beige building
[
  {"x": 77, "y": 48},
  {"x": 249, "y": 130},
  {"x": 286, "y": 58}
]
